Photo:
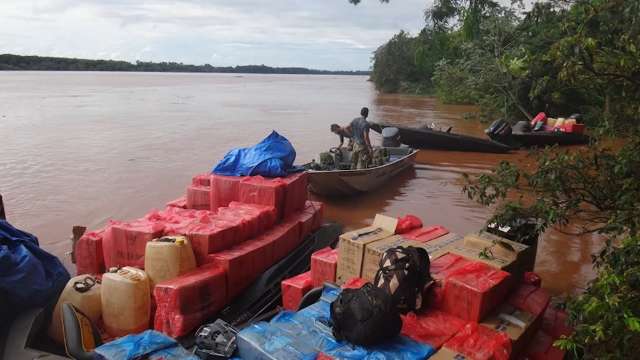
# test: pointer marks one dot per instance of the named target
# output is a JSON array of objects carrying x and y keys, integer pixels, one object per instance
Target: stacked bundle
[{"x": 237, "y": 228}]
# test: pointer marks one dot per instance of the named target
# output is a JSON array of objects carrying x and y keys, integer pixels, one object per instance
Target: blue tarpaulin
[
  {"x": 29, "y": 276},
  {"x": 272, "y": 157},
  {"x": 150, "y": 345}
]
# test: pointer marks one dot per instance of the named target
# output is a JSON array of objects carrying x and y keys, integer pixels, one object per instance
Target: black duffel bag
[{"x": 365, "y": 316}]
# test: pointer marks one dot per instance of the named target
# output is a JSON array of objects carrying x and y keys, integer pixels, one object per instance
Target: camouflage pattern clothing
[{"x": 360, "y": 157}]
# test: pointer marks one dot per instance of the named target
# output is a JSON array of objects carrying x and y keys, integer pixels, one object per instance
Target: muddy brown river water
[{"x": 82, "y": 148}]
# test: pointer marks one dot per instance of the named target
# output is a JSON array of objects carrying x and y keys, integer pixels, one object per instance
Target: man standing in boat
[
  {"x": 362, "y": 151},
  {"x": 358, "y": 134}
]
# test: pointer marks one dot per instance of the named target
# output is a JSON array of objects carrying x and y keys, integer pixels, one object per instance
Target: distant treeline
[{"x": 19, "y": 62}]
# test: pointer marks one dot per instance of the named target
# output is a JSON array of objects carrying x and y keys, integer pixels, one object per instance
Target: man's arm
[{"x": 341, "y": 140}]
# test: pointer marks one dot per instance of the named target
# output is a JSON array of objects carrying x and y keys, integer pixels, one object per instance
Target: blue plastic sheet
[
  {"x": 301, "y": 335},
  {"x": 272, "y": 157},
  {"x": 150, "y": 345},
  {"x": 29, "y": 276}
]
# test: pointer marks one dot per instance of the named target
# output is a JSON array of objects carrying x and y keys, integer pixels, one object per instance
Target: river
[{"x": 84, "y": 147}]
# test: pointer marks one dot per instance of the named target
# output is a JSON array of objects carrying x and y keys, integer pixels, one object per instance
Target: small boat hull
[
  {"x": 541, "y": 139},
  {"x": 353, "y": 182},
  {"x": 442, "y": 140}
]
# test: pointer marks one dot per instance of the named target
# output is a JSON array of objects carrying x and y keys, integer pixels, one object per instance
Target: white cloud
[{"x": 328, "y": 34}]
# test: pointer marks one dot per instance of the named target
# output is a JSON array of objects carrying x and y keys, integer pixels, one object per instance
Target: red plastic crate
[
  {"x": 480, "y": 343},
  {"x": 124, "y": 243},
  {"x": 198, "y": 197},
  {"x": 295, "y": 194},
  {"x": 472, "y": 291},
  {"x": 293, "y": 289},
  {"x": 324, "y": 263},
  {"x": 432, "y": 327},
  {"x": 426, "y": 234},
  {"x": 224, "y": 189},
  {"x": 184, "y": 303},
  {"x": 88, "y": 253}
]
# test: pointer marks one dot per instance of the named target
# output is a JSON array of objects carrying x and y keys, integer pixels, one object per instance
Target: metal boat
[{"x": 333, "y": 183}]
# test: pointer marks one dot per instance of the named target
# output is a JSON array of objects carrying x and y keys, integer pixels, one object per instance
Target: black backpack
[
  {"x": 404, "y": 273},
  {"x": 365, "y": 316}
]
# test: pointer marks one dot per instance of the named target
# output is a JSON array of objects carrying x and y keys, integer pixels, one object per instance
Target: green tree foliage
[
  {"x": 17, "y": 62},
  {"x": 560, "y": 57},
  {"x": 595, "y": 190}
]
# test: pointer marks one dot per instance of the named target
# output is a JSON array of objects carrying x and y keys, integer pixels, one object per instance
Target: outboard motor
[
  {"x": 499, "y": 128},
  {"x": 390, "y": 137}
]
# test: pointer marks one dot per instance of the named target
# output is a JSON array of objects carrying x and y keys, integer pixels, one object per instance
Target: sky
[{"x": 320, "y": 34}]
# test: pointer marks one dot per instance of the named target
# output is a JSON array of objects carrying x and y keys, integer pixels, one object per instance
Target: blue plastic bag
[
  {"x": 300, "y": 335},
  {"x": 29, "y": 276},
  {"x": 150, "y": 345},
  {"x": 272, "y": 157}
]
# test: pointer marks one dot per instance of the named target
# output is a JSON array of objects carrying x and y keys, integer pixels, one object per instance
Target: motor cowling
[
  {"x": 499, "y": 127},
  {"x": 390, "y": 137}
]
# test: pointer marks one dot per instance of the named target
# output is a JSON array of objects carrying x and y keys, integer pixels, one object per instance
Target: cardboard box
[
  {"x": 503, "y": 248},
  {"x": 448, "y": 354},
  {"x": 352, "y": 245},
  {"x": 497, "y": 252},
  {"x": 519, "y": 325},
  {"x": 439, "y": 246},
  {"x": 373, "y": 253}
]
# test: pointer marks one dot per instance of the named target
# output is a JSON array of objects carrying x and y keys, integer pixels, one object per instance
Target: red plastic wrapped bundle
[
  {"x": 185, "y": 302},
  {"x": 263, "y": 191},
  {"x": 237, "y": 266},
  {"x": 88, "y": 253},
  {"x": 408, "y": 223},
  {"x": 554, "y": 323},
  {"x": 426, "y": 234},
  {"x": 324, "y": 263},
  {"x": 224, "y": 189},
  {"x": 323, "y": 356},
  {"x": 180, "y": 203},
  {"x": 532, "y": 278},
  {"x": 433, "y": 327},
  {"x": 198, "y": 197},
  {"x": 474, "y": 290},
  {"x": 310, "y": 218},
  {"x": 318, "y": 210},
  {"x": 264, "y": 216},
  {"x": 293, "y": 289},
  {"x": 445, "y": 265},
  {"x": 541, "y": 348},
  {"x": 480, "y": 343},
  {"x": 124, "y": 243},
  {"x": 217, "y": 235},
  {"x": 201, "y": 180},
  {"x": 295, "y": 194},
  {"x": 354, "y": 283},
  {"x": 531, "y": 299}
]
